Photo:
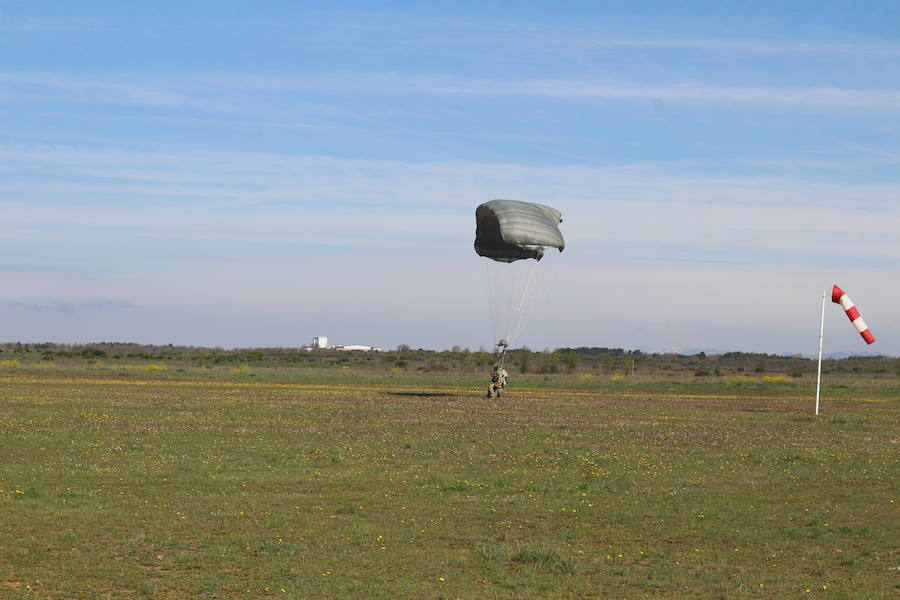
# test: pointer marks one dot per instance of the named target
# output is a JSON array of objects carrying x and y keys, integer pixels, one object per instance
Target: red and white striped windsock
[{"x": 839, "y": 297}]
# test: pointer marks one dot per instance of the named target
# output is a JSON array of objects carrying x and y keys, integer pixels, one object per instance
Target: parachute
[{"x": 509, "y": 232}]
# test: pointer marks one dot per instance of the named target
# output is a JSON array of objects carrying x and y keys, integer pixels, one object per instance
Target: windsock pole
[{"x": 821, "y": 335}]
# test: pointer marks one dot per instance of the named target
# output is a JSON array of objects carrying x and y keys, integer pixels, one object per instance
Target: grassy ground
[{"x": 182, "y": 486}]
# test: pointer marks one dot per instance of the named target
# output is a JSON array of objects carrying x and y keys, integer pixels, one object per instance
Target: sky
[{"x": 243, "y": 174}]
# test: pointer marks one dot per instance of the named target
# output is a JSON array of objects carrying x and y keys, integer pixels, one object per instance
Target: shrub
[
  {"x": 524, "y": 356},
  {"x": 570, "y": 360},
  {"x": 549, "y": 363}
]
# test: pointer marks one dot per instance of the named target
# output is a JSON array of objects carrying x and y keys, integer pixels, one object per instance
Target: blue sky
[{"x": 216, "y": 173}]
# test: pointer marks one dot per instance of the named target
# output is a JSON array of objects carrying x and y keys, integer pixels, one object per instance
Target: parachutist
[{"x": 499, "y": 375}]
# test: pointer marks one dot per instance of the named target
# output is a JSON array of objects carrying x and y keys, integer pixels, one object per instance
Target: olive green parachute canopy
[{"x": 509, "y": 230}]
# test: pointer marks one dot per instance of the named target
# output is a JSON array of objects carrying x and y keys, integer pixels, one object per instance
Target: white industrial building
[{"x": 320, "y": 342}]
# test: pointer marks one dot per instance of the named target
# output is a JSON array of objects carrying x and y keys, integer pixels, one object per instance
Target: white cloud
[
  {"x": 68, "y": 306},
  {"x": 737, "y": 45},
  {"x": 228, "y": 93},
  {"x": 818, "y": 97},
  {"x": 277, "y": 199}
]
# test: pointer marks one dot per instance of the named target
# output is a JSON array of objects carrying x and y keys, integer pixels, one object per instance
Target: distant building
[
  {"x": 360, "y": 348},
  {"x": 320, "y": 342}
]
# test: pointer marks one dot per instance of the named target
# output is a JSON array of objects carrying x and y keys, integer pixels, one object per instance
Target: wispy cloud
[
  {"x": 242, "y": 199},
  {"x": 206, "y": 92},
  {"x": 805, "y": 98},
  {"x": 69, "y": 307},
  {"x": 747, "y": 45},
  {"x": 45, "y": 24},
  {"x": 86, "y": 90}
]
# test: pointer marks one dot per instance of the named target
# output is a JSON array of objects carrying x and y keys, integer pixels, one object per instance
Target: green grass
[
  {"x": 163, "y": 485},
  {"x": 834, "y": 385}
]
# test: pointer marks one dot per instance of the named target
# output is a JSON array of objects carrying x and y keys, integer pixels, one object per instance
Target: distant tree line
[{"x": 595, "y": 360}]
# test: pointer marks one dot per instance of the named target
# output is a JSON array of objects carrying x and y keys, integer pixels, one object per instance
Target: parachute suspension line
[
  {"x": 503, "y": 292},
  {"x": 502, "y": 347},
  {"x": 509, "y": 303},
  {"x": 512, "y": 296},
  {"x": 499, "y": 302},
  {"x": 523, "y": 310},
  {"x": 492, "y": 280}
]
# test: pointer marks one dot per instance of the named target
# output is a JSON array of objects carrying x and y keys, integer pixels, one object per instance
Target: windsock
[{"x": 839, "y": 297}]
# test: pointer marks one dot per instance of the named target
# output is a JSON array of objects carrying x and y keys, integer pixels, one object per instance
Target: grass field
[{"x": 137, "y": 485}]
